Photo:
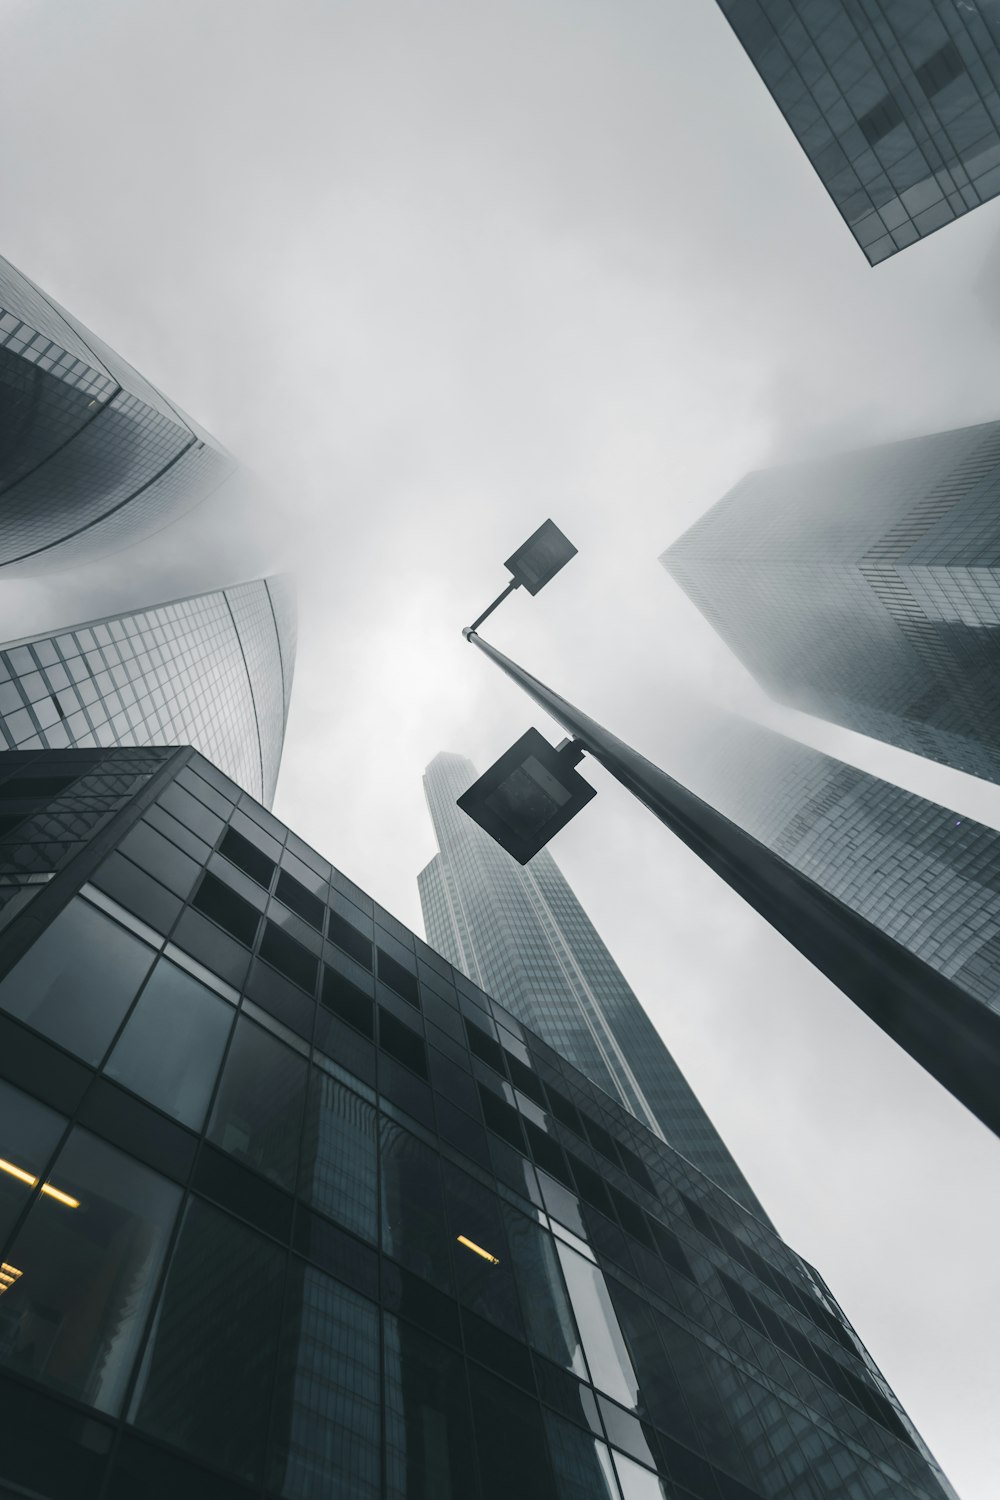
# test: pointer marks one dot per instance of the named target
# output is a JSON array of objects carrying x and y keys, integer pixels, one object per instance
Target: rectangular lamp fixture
[
  {"x": 494, "y": 1260},
  {"x": 31, "y": 1180}
]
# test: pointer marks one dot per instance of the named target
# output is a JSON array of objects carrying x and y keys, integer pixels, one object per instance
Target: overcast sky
[{"x": 434, "y": 272}]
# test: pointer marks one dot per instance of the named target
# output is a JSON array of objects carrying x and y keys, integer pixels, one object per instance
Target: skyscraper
[
  {"x": 214, "y": 671},
  {"x": 290, "y": 1208},
  {"x": 520, "y": 933},
  {"x": 92, "y": 457},
  {"x": 896, "y": 103},
  {"x": 865, "y": 588},
  {"x": 920, "y": 872}
]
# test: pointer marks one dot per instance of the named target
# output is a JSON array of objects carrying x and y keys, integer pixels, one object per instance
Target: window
[
  {"x": 413, "y": 1222},
  {"x": 398, "y": 978},
  {"x": 582, "y": 1463},
  {"x": 231, "y": 911},
  {"x": 551, "y": 1326},
  {"x": 28, "y": 1136},
  {"x": 347, "y": 936},
  {"x": 401, "y": 1042},
  {"x": 251, "y": 860},
  {"x": 347, "y": 1001},
  {"x": 173, "y": 1043},
  {"x": 295, "y": 896},
  {"x": 429, "y": 1449},
  {"x": 289, "y": 957},
  {"x": 77, "y": 981},
  {"x": 339, "y": 1170},
  {"x": 89, "y": 1251},
  {"x": 258, "y": 1109}
]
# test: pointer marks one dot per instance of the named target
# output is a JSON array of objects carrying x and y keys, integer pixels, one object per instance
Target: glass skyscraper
[
  {"x": 865, "y": 588},
  {"x": 213, "y": 671},
  {"x": 520, "y": 933},
  {"x": 290, "y": 1208},
  {"x": 92, "y": 457},
  {"x": 896, "y": 103}
]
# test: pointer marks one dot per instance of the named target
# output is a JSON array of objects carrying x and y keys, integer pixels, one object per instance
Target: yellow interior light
[
  {"x": 8, "y": 1276},
  {"x": 494, "y": 1260},
  {"x": 31, "y": 1180}
]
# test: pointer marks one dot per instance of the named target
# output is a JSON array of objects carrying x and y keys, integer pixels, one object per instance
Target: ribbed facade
[
  {"x": 896, "y": 103},
  {"x": 292, "y": 1210},
  {"x": 520, "y": 933},
  {"x": 92, "y": 457},
  {"x": 213, "y": 671},
  {"x": 865, "y": 588}
]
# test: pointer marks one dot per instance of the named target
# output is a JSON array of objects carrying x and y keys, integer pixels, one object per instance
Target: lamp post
[{"x": 525, "y": 798}]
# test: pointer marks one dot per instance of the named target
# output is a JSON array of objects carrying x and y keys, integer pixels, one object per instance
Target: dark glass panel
[
  {"x": 258, "y": 1109},
  {"x": 487, "y": 1287},
  {"x": 159, "y": 857},
  {"x": 524, "y": 1079},
  {"x": 148, "y": 1471},
  {"x": 339, "y": 1253},
  {"x": 429, "y": 1448},
  {"x": 509, "y": 1467},
  {"x": 671, "y": 1248},
  {"x": 483, "y": 1046},
  {"x": 582, "y": 1464},
  {"x": 143, "y": 1132},
  {"x": 289, "y": 957},
  {"x": 563, "y": 1110},
  {"x": 347, "y": 936},
  {"x": 192, "y": 813},
  {"x": 242, "y": 1192},
  {"x": 295, "y": 896},
  {"x": 347, "y": 1001},
  {"x": 221, "y": 1298},
  {"x": 551, "y": 1326},
  {"x": 392, "y": 973},
  {"x": 77, "y": 981},
  {"x": 600, "y": 1139},
  {"x": 590, "y": 1185},
  {"x": 325, "y": 1427},
  {"x": 29, "y": 1134},
  {"x": 48, "y": 1448},
  {"x": 413, "y": 1221},
  {"x": 232, "y": 912},
  {"x": 89, "y": 1252},
  {"x": 172, "y": 1044},
  {"x": 501, "y": 1117},
  {"x": 251, "y": 860},
  {"x": 402, "y": 1042},
  {"x": 419, "y": 1302},
  {"x": 497, "y": 1350},
  {"x": 339, "y": 1167}
]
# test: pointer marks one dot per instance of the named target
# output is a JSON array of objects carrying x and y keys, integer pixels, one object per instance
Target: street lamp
[{"x": 954, "y": 1037}]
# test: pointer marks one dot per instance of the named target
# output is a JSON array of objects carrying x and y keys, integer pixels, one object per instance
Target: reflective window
[
  {"x": 28, "y": 1136},
  {"x": 603, "y": 1341},
  {"x": 582, "y": 1464},
  {"x": 77, "y": 981},
  {"x": 327, "y": 1422},
  {"x": 258, "y": 1109},
  {"x": 638, "y": 1483},
  {"x": 413, "y": 1222},
  {"x": 511, "y": 1442},
  {"x": 170, "y": 1049},
  {"x": 483, "y": 1269},
  {"x": 89, "y": 1253},
  {"x": 429, "y": 1449},
  {"x": 224, "y": 905},
  {"x": 339, "y": 1169},
  {"x": 551, "y": 1328},
  {"x": 221, "y": 1302}
]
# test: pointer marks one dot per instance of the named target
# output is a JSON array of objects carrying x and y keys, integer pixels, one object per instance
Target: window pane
[
  {"x": 581, "y": 1463},
  {"x": 326, "y": 1419},
  {"x": 413, "y": 1223},
  {"x": 258, "y": 1110},
  {"x": 76, "y": 983},
  {"x": 172, "y": 1044},
  {"x": 89, "y": 1259},
  {"x": 638, "y": 1483},
  {"x": 28, "y": 1136},
  {"x": 485, "y": 1287},
  {"x": 551, "y": 1328},
  {"x": 206, "y": 1375},
  {"x": 511, "y": 1444},
  {"x": 339, "y": 1171},
  {"x": 429, "y": 1451},
  {"x": 603, "y": 1341}
]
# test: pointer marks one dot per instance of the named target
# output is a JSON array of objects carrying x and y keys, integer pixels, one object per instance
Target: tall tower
[
  {"x": 895, "y": 102},
  {"x": 520, "y": 933},
  {"x": 92, "y": 457},
  {"x": 865, "y": 588},
  {"x": 213, "y": 671}
]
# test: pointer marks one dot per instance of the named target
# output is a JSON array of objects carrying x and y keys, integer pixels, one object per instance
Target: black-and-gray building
[
  {"x": 289, "y": 1207},
  {"x": 896, "y": 103},
  {"x": 213, "y": 671},
  {"x": 521, "y": 934},
  {"x": 865, "y": 589},
  {"x": 92, "y": 456}
]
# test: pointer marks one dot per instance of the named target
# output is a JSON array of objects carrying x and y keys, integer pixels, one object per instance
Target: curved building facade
[
  {"x": 213, "y": 671},
  {"x": 92, "y": 457}
]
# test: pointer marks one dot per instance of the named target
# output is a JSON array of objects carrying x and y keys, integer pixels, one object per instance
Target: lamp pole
[{"x": 953, "y": 1036}]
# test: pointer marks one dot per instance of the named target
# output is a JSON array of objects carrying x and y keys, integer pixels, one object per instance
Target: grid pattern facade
[
  {"x": 924, "y": 875},
  {"x": 92, "y": 456},
  {"x": 211, "y": 671},
  {"x": 865, "y": 589},
  {"x": 521, "y": 934},
  {"x": 896, "y": 103},
  {"x": 255, "y": 1137}
]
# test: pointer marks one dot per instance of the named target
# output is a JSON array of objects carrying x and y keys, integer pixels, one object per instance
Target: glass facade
[
  {"x": 382, "y": 1242},
  {"x": 864, "y": 588},
  {"x": 92, "y": 457},
  {"x": 896, "y": 103},
  {"x": 519, "y": 932},
  {"x": 214, "y": 671}
]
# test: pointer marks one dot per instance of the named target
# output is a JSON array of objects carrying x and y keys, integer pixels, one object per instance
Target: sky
[{"x": 436, "y": 272}]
